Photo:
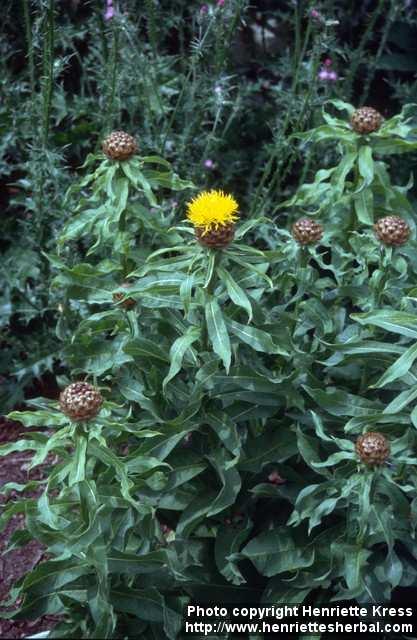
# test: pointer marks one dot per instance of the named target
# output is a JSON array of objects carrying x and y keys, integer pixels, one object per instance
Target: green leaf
[
  {"x": 230, "y": 479},
  {"x": 186, "y": 289},
  {"x": 319, "y": 316},
  {"x": 236, "y": 293},
  {"x": 178, "y": 351},
  {"x": 77, "y": 472},
  {"x": 255, "y": 338},
  {"x": 309, "y": 449},
  {"x": 364, "y": 206},
  {"x": 275, "y": 551},
  {"x": 147, "y": 189},
  {"x": 147, "y": 604},
  {"x": 343, "y": 106},
  {"x": 217, "y": 332},
  {"x": 131, "y": 564},
  {"x": 401, "y": 401},
  {"x": 395, "y": 321},
  {"x": 327, "y": 132},
  {"x": 39, "y": 418},
  {"x": 340, "y": 403},
  {"x": 145, "y": 348},
  {"x": 226, "y": 430},
  {"x": 342, "y": 171},
  {"x": 399, "y": 368},
  {"x": 383, "y": 146},
  {"x": 106, "y": 456},
  {"x": 228, "y": 542},
  {"x": 343, "y": 444},
  {"x": 355, "y": 561},
  {"x": 366, "y": 166},
  {"x": 393, "y": 569},
  {"x": 335, "y": 458},
  {"x": 276, "y": 445},
  {"x": 135, "y": 391},
  {"x": 156, "y": 160}
]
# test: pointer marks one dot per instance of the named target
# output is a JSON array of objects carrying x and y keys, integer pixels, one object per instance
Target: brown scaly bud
[
  {"x": 216, "y": 238},
  {"x": 392, "y": 230},
  {"x": 366, "y": 120},
  {"x": 119, "y": 146},
  {"x": 372, "y": 448},
  {"x": 126, "y": 303},
  {"x": 306, "y": 231},
  {"x": 80, "y": 401}
]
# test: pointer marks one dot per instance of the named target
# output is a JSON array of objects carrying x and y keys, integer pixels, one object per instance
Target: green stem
[
  {"x": 151, "y": 26},
  {"x": 214, "y": 258},
  {"x": 47, "y": 90},
  {"x": 149, "y": 72},
  {"x": 175, "y": 110},
  {"x": 48, "y": 62},
  {"x": 372, "y": 65},
  {"x": 132, "y": 320},
  {"x": 279, "y": 178},
  {"x": 384, "y": 267},
  {"x": 190, "y": 74},
  {"x": 113, "y": 63},
  {"x": 277, "y": 151},
  {"x": 29, "y": 42},
  {"x": 359, "y": 57},
  {"x": 297, "y": 44},
  {"x": 365, "y": 497}
]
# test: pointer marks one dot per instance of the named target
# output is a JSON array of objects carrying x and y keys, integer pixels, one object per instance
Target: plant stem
[
  {"x": 278, "y": 149},
  {"x": 358, "y": 57},
  {"x": 190, "y": 74},
  {"x": 29, "y": 42},
  {"x": 365, "y": 498},
  {"x": 372, "y": 65},
  {"x": 113, "y": 63},
  {"x": 48, "y": 62},
  {"x": 151, "y": 26}
]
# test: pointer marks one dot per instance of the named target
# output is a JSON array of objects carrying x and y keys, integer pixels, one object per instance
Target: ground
[{"x": 15, "y": 563}]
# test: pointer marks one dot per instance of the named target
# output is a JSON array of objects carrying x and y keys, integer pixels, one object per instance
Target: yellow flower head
[{"x": 212, "y": 209}]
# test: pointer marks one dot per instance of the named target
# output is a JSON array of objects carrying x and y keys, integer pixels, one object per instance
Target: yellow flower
[{"x": 212, "y": 209}]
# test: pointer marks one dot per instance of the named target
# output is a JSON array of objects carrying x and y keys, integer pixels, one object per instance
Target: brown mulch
[{"x": 16, "y": 563}]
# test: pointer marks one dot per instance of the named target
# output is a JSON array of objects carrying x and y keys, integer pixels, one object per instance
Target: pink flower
[
  {"x": 328, "y": 62},
  {"x": 275, "y": 478},
  {"x": 209, "y": 164},
  {"x": 109, "y": 10},
  {"x": 220, "y": 3},
  {"x": 323, "y": 74},
  {"x": 204, "y": 8},
  {"x": 315, "y": 14},
  {"x": 327, "y": 76}
]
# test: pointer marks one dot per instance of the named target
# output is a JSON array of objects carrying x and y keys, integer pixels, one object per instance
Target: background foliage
[{"x": 267, "y": 359}]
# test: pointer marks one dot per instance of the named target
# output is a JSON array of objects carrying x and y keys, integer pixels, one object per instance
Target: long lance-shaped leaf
[
  {"x": 217, "y": 332},
  {"x": 399, "y": 368},
  {"x": 236, "y": 293},
  {"x": 396, "y": 321},
  {"x": 178, "y": 351}
]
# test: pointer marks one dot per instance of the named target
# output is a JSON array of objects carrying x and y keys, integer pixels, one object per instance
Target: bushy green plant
[
  {"x": 217, "y": 88},
  {"x": 222, "y": 464}
]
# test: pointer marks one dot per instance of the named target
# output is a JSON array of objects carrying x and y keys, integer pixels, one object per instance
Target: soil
[{"x": 16, "y": 563}]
